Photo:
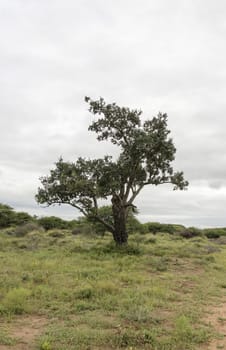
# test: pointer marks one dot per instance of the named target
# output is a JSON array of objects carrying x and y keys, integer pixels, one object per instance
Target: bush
[
  {"x": 214, "y": 232},
  {"x": 8, "y": 217},
  {"x": 23, "y": 230},
  {"x": 191, "y": 232},
  {"x": 22, "y": 218},
  {"x": 52, "y": 222},
  {"x": 83, "y": 228},
  {"x": 155, "y": 227}
]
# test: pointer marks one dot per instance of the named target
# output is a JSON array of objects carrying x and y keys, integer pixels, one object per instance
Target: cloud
[{"x": 157, "y": 56}]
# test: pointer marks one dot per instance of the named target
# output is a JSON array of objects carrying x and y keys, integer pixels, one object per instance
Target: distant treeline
[{"x": 21, "y": 223}]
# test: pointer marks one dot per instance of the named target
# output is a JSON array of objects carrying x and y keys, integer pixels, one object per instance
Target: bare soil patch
[
  {"x": 216, "y": 317},
  {"x": 25, "y": 330}
]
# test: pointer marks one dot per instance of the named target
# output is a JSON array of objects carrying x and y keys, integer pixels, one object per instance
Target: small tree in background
[
  {"x": 7, "y": 215},
  {"x": 146, "y": 157}
]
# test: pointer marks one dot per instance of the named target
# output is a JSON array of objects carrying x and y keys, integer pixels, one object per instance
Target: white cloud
[{"x": 167, "y": 56}]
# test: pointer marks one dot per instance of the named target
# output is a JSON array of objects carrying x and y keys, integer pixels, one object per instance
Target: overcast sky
[{"x": 167, "y": 56}]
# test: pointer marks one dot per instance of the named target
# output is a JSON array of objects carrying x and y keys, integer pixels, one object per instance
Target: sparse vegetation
[{"x": 151, "y": 294}]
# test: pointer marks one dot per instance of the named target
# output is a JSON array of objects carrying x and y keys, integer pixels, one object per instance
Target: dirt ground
[{"x": 25, "y": 330}]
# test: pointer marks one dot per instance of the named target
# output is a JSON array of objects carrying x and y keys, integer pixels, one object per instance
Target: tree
[
  {"x": 7, "y": 215},
  {"x": 146, "y": 157}
]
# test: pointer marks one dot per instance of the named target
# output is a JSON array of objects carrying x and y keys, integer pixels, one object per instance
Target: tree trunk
[{"x": 119, "y": 215}]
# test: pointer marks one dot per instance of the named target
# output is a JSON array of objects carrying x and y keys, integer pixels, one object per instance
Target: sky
[{"x": 167, "y": 56}]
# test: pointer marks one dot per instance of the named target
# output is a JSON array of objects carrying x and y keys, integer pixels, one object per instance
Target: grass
[{"x": 149, "y": 295}]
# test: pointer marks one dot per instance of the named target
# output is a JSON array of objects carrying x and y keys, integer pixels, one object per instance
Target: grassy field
[{"x": 83, "y": 293}]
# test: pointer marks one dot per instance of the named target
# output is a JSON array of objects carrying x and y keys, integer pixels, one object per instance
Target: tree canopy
[{"x": 146, "y": 155}]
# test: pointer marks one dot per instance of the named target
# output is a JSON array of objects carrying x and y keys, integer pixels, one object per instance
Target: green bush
[
  {"x": 7, "y": 216},
  {"x": 52, "y": 222},
  {"x": 214, "y": 232},
  {"x": 22, "y": 218},
  {"x": 155, "y": 227}
]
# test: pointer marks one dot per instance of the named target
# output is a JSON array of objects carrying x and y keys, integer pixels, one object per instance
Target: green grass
[{"x": 149, "y": 295}]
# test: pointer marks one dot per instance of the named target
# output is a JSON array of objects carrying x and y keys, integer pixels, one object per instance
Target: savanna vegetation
[
  {"x": 88, "y": 293},
  {"x": 67, "y": 285}
]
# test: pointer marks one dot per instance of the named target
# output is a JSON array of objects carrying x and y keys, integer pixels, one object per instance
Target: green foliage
[
  {"x": 45, "y": 345},
  {"x": 156, "y": 227},
  {"x": 51, "y": 222},
  {"x": 8, "y": 217},
  {"x": 105, "y": 212},
  {"x": 214, "y": 232},
  {"x": 22, "y": 218},
  {"x": 146, "y": 157}
]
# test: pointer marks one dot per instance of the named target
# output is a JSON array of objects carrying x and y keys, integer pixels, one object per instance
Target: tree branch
[
  {"x": 130, "y": 201},
  {"x": 106, "y": 224},
  {"x": 95, "y": 203},
  {"x": 159, "y": 183},
  {"x": 73, "y": 205}
]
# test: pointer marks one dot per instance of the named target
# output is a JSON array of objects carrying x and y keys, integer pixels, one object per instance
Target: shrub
[
  {"x": 82, "y": 228},
  {"x": 155, "y": 227},
  {"x": 145, "y": 228},
  {"x": 191, "y": 232},
  {"x": 24, "y": 229},
  {"x": 214, "y": 232},
  {"x": 52, "y": 222},
  {"x": 22, "y": 218}
]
